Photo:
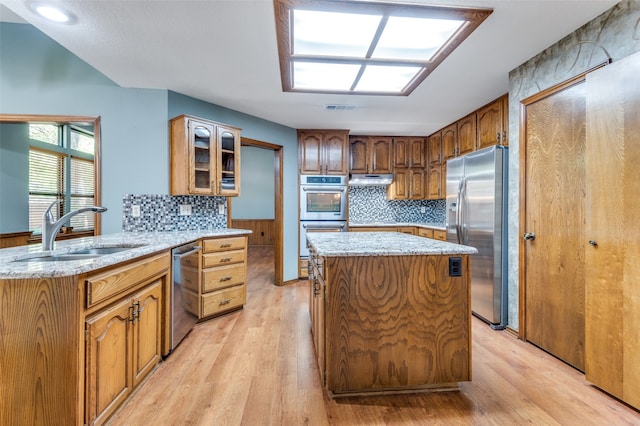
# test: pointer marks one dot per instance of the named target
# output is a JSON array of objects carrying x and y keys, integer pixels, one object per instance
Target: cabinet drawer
[
  {"x": 440, "y": 235},
  {"x": 189, "y": 300},
  {"x": 190, "y": 278},
  {"x": 223, "y": 276},
  {"x": 222, "y": 258},
  {"x": 117, "y": 280},
  {"x": 223, "y": 300},
  {"x": 424, "y": 232},
  {"x": 223, "y": 244}
]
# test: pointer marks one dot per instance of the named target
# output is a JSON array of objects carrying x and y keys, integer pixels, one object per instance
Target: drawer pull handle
[
  {"x": 225, "y": 278},
  {"x": 225, "y": 245},
  {"x": 225, "y": 301},
  {"x": 225, "y": 259}
]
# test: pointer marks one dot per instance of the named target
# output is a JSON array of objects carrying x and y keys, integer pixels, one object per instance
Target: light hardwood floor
[{"x": 257, "y": 367}]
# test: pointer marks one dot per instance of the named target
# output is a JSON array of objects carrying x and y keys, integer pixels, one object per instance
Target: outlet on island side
[{"x": 455, "y": 266}]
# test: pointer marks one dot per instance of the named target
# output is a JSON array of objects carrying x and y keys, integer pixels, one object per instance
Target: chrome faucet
[{"x": 50, "y": 227}]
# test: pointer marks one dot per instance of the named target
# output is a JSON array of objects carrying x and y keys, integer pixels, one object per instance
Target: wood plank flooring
[{"x": 257, "y": 367}]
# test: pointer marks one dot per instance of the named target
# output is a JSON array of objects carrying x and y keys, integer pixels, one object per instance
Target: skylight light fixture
[
  {"x": 52, "y": 12},
  {"x": 329, "y": 46}
]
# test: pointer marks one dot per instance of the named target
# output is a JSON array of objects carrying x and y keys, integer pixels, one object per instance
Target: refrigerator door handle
[
  {"x": 459, "y": 212},
  {"x": 463, "y": 213}
]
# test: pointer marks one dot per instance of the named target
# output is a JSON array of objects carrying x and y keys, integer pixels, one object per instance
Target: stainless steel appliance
[
  {"x": 323, "y": 206},
  {"x": 182, "y": 318},
  {"x": 476, "y": 216}
]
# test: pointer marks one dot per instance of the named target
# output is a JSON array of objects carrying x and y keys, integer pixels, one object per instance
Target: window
[
  {"x": 366, "y": 48},
  {"x": 61, "y": 167}
]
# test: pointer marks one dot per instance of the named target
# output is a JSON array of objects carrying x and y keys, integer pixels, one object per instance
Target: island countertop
[
  {"x": 342, "y": 244},
  {"x": 140, "y": 243}
]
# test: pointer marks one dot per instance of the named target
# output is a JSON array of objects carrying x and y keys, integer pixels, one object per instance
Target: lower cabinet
[
  {"x": 316, "y": 306},
  {"x": 122, "y": 346}
]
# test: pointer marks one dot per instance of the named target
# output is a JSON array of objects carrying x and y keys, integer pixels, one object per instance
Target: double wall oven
[{"x": 323, "y": 206}]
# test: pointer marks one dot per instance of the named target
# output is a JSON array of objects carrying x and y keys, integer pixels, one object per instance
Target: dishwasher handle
[{"x": 187, "y": 253}]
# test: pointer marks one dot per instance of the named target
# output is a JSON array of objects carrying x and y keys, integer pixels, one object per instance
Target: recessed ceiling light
[{"x": 52, "y": 12}]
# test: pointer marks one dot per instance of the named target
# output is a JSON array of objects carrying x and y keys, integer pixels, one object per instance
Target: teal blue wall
[
  {"x": 256, "y": 200},
  {"x": 38, "y": 76},
  {"x": 14, "y": 178}
]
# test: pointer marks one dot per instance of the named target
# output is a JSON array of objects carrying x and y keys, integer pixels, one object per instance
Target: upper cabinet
[
  {"x": 408, "y": 152},
  {"x": 205, "y": 157},
  {"x": 467, "y": 135},
  {"x": 371, "y": 154},
  {"x": 323, "y": 152},
  {"x": 450, "y": 142},
  {"x": 434, "y": 148},
  {"x": 491, "y": 123}
]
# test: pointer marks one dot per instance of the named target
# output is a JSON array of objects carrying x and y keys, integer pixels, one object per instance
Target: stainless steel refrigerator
[{"x": 477, "y": 216}]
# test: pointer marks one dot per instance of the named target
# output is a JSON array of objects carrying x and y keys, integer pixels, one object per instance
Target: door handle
[{"x": 529, "y": 236}]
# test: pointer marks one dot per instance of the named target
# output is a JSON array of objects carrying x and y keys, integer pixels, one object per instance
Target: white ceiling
[{"x": 225, "y": 52}]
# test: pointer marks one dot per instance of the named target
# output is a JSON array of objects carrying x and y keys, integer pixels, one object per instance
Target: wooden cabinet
[
  {"x": 408, "y": 173},
  {"x": 205, "y": 157},
  {"x": 491, "y": 125},
  {"x": 449, "y": 142},
  {"x": 371, "y": 155},
  {"x": 123, "y": 346},
  {"x": 434, "y": 182},
  {"x": 434, "y": 148},
  {"x": 317, "y": 311},
  {"x": 323, "y": 152},
  {"x": 467, "y": 135},
  {"x": 436, "y": 234},
  {"x": 216, "y": 283}
]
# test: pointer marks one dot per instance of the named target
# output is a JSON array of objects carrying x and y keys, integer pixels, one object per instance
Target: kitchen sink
[
  {"x": 102, "y": 250},
  {"x": 59, "y": 258}
]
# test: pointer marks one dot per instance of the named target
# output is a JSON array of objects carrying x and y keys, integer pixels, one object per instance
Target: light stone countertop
[
  {"x": 141, "y": 243},
  {"x": 432, "y": 225},
  {"x": 342, "y": 244}
]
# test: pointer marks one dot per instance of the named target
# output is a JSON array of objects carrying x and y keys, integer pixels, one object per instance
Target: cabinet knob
[
  {"x": 529, "y": 236},
  {"x": 593, "y": 243},
  {"x": 498, "y": 137}
]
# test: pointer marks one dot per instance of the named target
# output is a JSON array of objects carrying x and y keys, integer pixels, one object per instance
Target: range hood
[{"x": 370, "y": 179}]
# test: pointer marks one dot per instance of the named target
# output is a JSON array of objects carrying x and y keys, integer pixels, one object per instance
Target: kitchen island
[{"x": 390, "y": 312}]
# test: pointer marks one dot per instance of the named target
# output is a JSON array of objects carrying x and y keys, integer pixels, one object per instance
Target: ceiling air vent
[{"x": 339, "y": 107}]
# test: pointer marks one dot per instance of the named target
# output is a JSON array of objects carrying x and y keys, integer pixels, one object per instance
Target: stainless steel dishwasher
[{"x": 183, "y": 318}]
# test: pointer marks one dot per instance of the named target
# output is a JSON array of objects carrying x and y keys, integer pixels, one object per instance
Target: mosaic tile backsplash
[
  {"x": 162, "y": 213},
  {"x": 370, "y": 204}
]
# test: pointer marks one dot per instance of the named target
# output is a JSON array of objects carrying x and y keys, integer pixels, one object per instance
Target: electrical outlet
[
  {"x": 455, "y": 266},
  {"x": 135, "y": 211},
  {"x": 185, "y": 209},
  {"x": 220, "y": 209},
  {"x": 423, "y": 209}
]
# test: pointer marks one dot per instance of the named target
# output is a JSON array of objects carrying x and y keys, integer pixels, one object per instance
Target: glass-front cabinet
[{"x": 205, "y": 157}]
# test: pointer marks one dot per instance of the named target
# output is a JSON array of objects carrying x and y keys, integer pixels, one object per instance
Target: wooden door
[
  {"x": 358, "y": 154},
  {"x": 401, "y": 152},
  {"x": 381, "y": 155},
  {"x": 109, "y": 346},
  {"x": 613, "y": 224},
  {"x": 489, "y": 121},
  {"x": 435, "y": 182},
  {"x": 434, "y": 144},
  {"x": 147, "y": 331},
  {"x": 399, "y": 190},
  {"x": 309, "y": 152},
  {"x": 467, "y": 134},
  {"x": 449, "y": 142},
  {"x": 554, "y": 211},
  {"x": 417, "y": 152},
  {"x": 416, "y": 184},
  {"x": 335, "y": 153}
]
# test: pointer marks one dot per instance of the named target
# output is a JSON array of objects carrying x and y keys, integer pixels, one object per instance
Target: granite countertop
[
  {"x": 341, "y": 244},
  {"x": 432, "y": 225},
  {"x": 141, "y": 243}
]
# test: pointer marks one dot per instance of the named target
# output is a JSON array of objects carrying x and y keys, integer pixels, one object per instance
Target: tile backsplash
[
  {"x": 162, "y": 213},
  {"x": 370, "y": 204}
]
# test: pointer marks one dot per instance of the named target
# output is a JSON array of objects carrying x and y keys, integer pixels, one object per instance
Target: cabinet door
[
  {"x": 449, "y": 142},
  {"x": 202, "y": 158},
  {"x": 147, "y": 330},
  {"x": 417, "y": 154},
  {"x": 401, "y": 152},
  {"x": 319, "y": 326},
  {"x": 399, "y": 190},
  {"x": 228, "y": 161},
  {"x": 435, "y": 182},
  {"x": 109, "y": 378},
  {"x": 335, "y": 153},
  {"x": 381, "y": 155},
  {"x": 489, "y": 121},
  {"x": 467, "y": 134},
  {"x": 505, "y": 120},
  {"x": 309, "y": 151},
  {"x": 434, "y": 143},
  {"x": 416, "y": 184},
  {"x": 358, "y": 154}
]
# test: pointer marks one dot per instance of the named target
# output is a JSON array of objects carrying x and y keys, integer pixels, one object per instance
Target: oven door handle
[
  {"x": 323, "y": 189},
  {"x": 304, "y": 225}
]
